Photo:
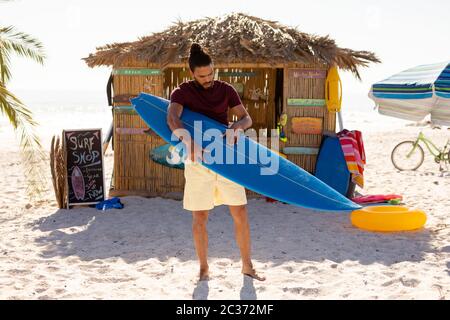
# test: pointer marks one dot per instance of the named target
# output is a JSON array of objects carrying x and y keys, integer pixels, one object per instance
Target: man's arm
[
  {"x": 173, "y": 118},
  {"x": 174, "y": 122},
  {"x": 244, "y": 120}
]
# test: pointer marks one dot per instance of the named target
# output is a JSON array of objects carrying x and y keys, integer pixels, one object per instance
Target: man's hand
[
  {"x": 233, "y": 135},
  {"x": 244, "y": 122},
  {"x": 194, "y": 151},
  {"x": 237, "y": 126}
]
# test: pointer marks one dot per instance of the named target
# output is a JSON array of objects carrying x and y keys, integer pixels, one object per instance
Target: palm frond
[
  {"x": 8, "y": 104},
  {"x": 21, "y": 44},
  {"x": 33, "y": 155},
  {"x": 5, "y": 74}
]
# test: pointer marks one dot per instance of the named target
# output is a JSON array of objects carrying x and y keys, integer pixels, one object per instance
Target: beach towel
[
  {"x": 376, "y": 198},
  {"x": 113, "y": 203},
  {"x": 353, "y": 148}
]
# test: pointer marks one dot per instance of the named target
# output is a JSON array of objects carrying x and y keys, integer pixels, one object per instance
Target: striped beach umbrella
[{"x": 415, "y": 93}]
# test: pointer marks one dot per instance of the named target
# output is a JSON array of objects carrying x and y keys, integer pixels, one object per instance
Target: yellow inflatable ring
[{"x": 388, "y": 218}]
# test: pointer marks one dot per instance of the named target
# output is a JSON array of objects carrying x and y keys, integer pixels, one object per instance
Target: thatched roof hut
[
  {"x": 234, "y": 38},
  {"x": 277, "y": 70}
]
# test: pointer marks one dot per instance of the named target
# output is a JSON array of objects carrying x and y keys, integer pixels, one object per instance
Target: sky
[{"x": 402, "y": 34}]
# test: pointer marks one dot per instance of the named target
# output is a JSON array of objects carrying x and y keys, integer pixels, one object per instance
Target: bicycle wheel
[{"x": 406, "y": 156}]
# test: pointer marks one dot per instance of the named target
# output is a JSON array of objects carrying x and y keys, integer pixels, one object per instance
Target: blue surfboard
[
  {"x": 288, "y": 183},
  {"x": 331, "y": 166}
]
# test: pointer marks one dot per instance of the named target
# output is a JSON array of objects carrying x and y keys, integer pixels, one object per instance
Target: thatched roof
[{"x": 234, "y": 38}]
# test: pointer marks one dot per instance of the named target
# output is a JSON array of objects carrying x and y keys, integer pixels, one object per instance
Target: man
[{"x": 205, "y": 189}]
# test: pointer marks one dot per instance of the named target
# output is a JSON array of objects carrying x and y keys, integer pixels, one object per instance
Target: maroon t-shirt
[{"x": 212, "y": 102}]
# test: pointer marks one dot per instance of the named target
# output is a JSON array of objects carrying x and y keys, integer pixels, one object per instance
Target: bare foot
[
  {"x": 252, "y": 273},
  {"x": 204, "y": 274}
]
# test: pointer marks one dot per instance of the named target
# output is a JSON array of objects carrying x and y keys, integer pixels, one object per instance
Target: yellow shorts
[{"x": 205, "y": 189}]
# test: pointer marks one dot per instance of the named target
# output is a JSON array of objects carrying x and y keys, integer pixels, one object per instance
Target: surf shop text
[{"x": 82, "y": 150}]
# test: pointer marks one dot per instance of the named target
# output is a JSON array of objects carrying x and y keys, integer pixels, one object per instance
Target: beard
[{"x": 205, "y": 86}]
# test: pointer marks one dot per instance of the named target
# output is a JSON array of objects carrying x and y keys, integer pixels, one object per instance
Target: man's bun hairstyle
[{"x": 198, "y": 57}]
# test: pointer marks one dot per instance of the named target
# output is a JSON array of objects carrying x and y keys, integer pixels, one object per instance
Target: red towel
[
  {"x": 353, "y": 148},
  {"x": 376, "y": 198}
]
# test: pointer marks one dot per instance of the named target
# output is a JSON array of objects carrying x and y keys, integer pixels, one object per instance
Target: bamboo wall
[
  {"x": 297, "y": 85},
  {"x": 134, "y": 172}
]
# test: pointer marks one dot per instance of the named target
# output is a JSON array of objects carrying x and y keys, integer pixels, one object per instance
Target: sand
[{"x": 145, "y": 251}]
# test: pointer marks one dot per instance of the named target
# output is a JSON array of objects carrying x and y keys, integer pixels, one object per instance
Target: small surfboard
[
  {"x": 164, "y": 153},
  {"x": 331, "y": 166},
  {"x": 78, "y": 185}
]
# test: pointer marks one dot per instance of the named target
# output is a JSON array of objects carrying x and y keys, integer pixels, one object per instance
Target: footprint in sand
[
  {"x": 111, "y": 280},
  {"x": 261, "y": 289},
  {"x": 289, "y": 269},
  {"x": 60, "y": 291},
  {"x": 157, "y": 274},
  {"x": 86, "y": 267},
  {"x": 440, "y": 289},
  {"x": 19, "y": 272},
  {"x": 220, "y": 277},
  {"x": 52, "y": 269},
  {"x": 404, "y": 281},
  {"x": 142, "y": 269},
  {"x": 46, "y": 297},
  {"x": 389, "y": 274},
  {"x": 39, "y": 277},
  {"x": 303, "y": 291},
  {"x": 409, "y": 282},
  {"x": 309, "y": 268},
  {"x": 104, "y": 270},
  {"x": 222, "y": 263},
  {"x": 43, "y": 286}
]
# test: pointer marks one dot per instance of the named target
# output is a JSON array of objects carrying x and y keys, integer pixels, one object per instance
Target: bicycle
[{"x": 409, "y": 155}]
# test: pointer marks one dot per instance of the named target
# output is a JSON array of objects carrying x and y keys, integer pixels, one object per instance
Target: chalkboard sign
[{"x": 84, "y": 159}]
